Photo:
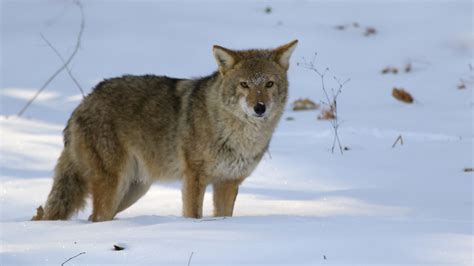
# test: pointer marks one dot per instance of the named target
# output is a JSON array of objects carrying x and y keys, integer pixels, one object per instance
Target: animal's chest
[{"x": 233, "y": 161}]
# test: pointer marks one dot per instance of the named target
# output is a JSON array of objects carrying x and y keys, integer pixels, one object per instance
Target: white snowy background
[{"x": 374, "y": 205}]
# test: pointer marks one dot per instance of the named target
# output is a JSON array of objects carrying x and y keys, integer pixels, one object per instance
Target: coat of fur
[{"x": 134, "y": 130}]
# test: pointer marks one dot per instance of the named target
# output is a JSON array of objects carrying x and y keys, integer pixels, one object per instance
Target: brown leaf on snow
[
  {"x": 390, "y": 69},
  {"x": 402, "y": 95},
  {"x": 327, "y": 114},
  {"x": 386, "y": 70},
  {"x": 304, "y": 104},
  {"x": 370, "y": 31}
]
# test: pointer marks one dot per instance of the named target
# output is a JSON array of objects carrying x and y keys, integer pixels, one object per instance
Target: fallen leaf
[
  {"x": 304, "y": 104},
  {"x": 402, "y": 95},
  {"x": 327, "y": 114},
  {"x": 370, "y": 31}
]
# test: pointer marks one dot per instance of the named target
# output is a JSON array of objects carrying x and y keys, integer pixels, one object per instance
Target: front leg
[
  {"x": 193, "y": 195},
  {"x": 225, "y": 193}
]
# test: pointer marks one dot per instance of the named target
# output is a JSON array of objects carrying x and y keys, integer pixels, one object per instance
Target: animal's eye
[
  {"x": 269, "y": 84},
  {"x": 244, "y": 85}
]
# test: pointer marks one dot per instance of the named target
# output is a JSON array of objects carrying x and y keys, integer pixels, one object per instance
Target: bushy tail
[{"x": 68, "y": 193}]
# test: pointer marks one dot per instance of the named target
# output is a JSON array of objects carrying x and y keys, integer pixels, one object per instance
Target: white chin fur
[{"x": 249, "y": 111}]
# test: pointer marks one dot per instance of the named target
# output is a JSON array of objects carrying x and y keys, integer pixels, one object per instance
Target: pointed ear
[
  {"x": 226, "y": 59},
  {"x": 283, "y": 54}
]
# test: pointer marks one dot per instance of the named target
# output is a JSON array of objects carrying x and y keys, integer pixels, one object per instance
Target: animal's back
[
  {"x": 133, "y": 116},
  {"x": 134, "y": 98}
]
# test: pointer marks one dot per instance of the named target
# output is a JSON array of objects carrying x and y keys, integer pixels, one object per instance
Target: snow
[{"x": 411, "y": 204}]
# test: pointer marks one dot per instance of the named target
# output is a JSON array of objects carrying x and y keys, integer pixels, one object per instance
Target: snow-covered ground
[{"x": 410, "y": 205}]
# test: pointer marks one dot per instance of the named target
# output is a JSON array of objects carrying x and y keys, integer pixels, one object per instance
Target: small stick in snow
[
  {"x": 397, "y": 140},
  {"x": 82, "y": 253},
  {"x": 64, "y": 66},
  {"x": 190, "y": 257}
]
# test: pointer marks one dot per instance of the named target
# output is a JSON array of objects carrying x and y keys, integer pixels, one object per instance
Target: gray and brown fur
[{"x": 134, "y": 130}]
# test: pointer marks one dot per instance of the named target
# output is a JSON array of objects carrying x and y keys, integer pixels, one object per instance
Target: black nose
[{"x": 259, "y": 108}]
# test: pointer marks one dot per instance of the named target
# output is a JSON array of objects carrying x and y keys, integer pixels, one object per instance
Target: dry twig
[
  {"x": 399, "y": 139},
  {"x": 331, "y": 99},
  {"x": 190, "y": 257},
  {"x": 64, "y": 66},
  {"x": 64, "y": 62},
  {"x": 82, "y": 253}
]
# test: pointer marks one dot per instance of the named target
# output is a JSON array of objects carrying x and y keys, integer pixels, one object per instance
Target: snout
[{"x": 260, "y": 109}]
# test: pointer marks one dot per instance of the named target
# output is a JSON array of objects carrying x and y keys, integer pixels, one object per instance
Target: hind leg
[
  {"x": 108, "y": 191},
  {"x": 103, "y": 154}
]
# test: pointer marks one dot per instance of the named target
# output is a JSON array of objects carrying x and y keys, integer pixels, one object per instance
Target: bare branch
[
  {"x": 331, "y": 100},
  {"x": 190, "y": 257},
  {"x": 82, "y": 253},
  {"x": 64, "y": 62},
  {"x": 399, "y": 139},
  {"x": 64, "y": 66}
]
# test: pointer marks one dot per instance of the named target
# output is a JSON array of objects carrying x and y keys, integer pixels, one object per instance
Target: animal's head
[{"x": 254, "y": 81}]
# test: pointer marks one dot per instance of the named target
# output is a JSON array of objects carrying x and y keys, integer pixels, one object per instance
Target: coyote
[{"x": 134, "y": 130}]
